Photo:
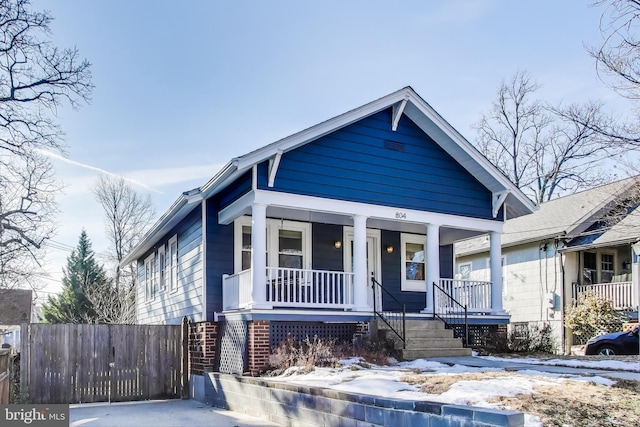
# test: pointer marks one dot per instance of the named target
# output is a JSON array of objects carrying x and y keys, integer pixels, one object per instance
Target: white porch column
[
  {"x": 432, "y": 263},
  {"x": 258, "y": 255},
  {"x": 495, "y": 260},
  {"x": 360, "y": 273}
]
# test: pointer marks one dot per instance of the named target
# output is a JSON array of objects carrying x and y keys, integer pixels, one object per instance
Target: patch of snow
[{"x": 616, "y": 365}]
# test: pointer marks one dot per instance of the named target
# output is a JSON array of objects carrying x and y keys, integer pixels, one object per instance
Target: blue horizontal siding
[
  {"x": 356, "y": 164},
  {"x": 233, "y": 192},
  {"x": 220, "y": 250}
]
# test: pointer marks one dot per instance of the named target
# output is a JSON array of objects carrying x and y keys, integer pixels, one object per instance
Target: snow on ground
[
  {"x": 614, "y": 365},
  {"x": 385, "y": 381}
]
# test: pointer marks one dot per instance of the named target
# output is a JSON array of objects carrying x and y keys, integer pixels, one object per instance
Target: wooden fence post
[
  {"x": 25, "y": 358},
  {"x": 185, "y": 357}
]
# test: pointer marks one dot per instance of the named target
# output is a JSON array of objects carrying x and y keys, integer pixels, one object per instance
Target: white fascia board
[
  {"x": 341, "y": 207},
  {"x": 323, "y": 128}
]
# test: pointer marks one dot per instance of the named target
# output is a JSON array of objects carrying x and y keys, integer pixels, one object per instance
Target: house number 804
[{"x": 401, "y": 215}]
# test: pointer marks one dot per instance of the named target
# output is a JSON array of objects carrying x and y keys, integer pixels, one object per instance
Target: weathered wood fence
[
  {"x": 5, "y": 357},
  {"x": 69, "y": 363}
]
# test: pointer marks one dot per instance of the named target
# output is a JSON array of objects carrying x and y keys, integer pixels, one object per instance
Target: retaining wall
[{"x": 295, "y": 405}]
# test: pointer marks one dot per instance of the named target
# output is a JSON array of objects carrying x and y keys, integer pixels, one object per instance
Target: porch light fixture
[
  {"x": 389, "y": 249},
  {"x": 337, "y": 244},
  {"x": 626, "y": 265}
]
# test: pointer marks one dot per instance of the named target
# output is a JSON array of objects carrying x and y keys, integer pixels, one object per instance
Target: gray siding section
[{"x": 167, "y": 306}]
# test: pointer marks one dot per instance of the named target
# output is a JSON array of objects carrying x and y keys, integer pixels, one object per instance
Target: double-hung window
[
  {"x": 172, "y": 261},
  {"x": 150, "y": 277},
  {"x": 288, "y": 244}
]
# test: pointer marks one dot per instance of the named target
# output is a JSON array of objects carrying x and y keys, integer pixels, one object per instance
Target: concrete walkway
[
  {"x": 158, "y": 413},
  {"x": 508, "y": 365}
]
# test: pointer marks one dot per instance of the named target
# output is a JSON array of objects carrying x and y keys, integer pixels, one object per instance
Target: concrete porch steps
[{"x": 424, "y": 339}]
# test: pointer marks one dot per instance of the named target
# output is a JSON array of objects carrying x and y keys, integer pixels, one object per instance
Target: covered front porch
[{"x": 321, "y": 257}]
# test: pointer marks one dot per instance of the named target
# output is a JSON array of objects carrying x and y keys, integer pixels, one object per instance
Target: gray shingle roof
[{"x": 565, "y": 216}]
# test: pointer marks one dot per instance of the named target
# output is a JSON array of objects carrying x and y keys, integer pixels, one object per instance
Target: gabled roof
[
  {"x": 565, "y": 217},
  {"x": 405, "y": 101}
]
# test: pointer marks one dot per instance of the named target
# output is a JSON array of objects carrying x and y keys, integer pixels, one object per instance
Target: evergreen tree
[{"x": 81, "y": 276}]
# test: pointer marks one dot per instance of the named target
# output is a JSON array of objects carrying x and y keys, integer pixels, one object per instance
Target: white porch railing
[
  {"x": 619, "y": 293},
  {"x": 475, "y": 294},
  {"x": 236, "y": 290},
  {"x": 291, "y": 287}
]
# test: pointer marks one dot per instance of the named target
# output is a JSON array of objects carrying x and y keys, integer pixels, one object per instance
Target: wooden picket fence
[
  {"x": 70, "y": 363},
  {"x": 5, "y": 358}
]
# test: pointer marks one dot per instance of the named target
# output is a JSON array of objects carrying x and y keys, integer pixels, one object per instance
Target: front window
[
  {"x": 290, "y": 253},
  {"x": 246, "y": 247},
  {"x": 413, "y": 262},
  {"x": 597, "y": 267},
  {"x": 288, "y": 244}
]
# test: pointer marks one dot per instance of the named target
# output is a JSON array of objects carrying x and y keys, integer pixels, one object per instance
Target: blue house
[{"x": 309, "y": 234}]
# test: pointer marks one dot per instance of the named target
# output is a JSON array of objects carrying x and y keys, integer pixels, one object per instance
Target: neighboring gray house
[{"x": 561, "y": 250}]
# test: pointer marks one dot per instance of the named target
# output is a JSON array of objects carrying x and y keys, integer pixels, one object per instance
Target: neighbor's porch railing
[
  {"x": 474, "y": 294},
  {"x": 619, "y": 293},
  {"x": 291, "y": 287}
]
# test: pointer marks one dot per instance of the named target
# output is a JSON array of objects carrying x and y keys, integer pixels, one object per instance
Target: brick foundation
[
  {"x": 203, "y": 338},
  {"x": 258, "y": 347}
]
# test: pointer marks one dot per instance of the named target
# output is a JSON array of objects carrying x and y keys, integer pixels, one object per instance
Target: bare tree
[
  {"x": 26, "y": 216},
  {"x": 36, "y": 78},
  {"x": 546, "y": 151},
  {"x": 619, "y": 54},
  {"x": 128, "y": 215}
]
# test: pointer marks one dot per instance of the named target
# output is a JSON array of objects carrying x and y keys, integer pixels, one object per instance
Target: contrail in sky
[{"x": 93, "y": 168}]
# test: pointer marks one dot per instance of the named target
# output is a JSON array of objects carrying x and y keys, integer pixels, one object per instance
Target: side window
[
  {"x": 413, "y": 262},
  {"x": 150, "y": 277},
  {"x": 172, "y": 270},
  {"x": 162, "y": 276},
  {"x": 589, "y": 268}
]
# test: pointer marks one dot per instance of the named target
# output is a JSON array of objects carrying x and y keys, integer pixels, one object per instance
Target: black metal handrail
[
  {"x": 452, "y": 313},
  {"x": 396, "y": 321}
]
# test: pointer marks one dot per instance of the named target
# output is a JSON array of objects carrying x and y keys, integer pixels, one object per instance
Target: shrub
[
  {"x": 305, "y": 354},
  {"x": 592, "y": 313},
  {"x": 529, "y": 339}
]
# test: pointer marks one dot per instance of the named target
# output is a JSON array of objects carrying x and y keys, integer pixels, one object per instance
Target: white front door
[{"x": 373, "y": 258}]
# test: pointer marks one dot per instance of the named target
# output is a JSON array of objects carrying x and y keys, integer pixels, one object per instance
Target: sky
[
  {"x": 386, "y": 381},
  {"x": 183, "y": 87}
]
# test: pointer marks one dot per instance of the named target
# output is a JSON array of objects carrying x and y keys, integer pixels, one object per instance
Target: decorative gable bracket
[
  {"x": 498, "y": 199},
  {"x": 397, "y": 113},
  {"x": 273, "y": 167}
]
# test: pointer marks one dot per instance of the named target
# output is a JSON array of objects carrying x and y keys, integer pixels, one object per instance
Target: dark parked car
[{"x": 614, "y": 343}]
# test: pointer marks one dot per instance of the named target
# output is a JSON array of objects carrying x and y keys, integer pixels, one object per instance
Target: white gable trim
[
  {"x": 498, "y": 199},
  {"x": 273, "y": 167}
]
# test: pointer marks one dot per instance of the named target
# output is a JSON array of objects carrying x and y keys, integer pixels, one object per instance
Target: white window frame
[
  {"x": 162, "y": 265},
  {"x": 172, "y": 277},
  {"x": 150, "y": 277},
  {"x": 273, "y": 242},
  {"x": 406, "y": 284}
]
